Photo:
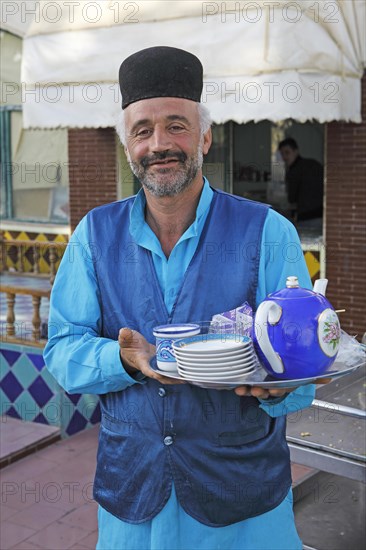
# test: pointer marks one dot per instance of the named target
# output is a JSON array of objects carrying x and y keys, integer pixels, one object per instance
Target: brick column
[
  {"x": 92, "y": 170},
  {"x": 346, "y": 219}
]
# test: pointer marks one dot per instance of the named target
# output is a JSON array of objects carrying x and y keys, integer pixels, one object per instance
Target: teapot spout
[{"x": 320, "y": 286}]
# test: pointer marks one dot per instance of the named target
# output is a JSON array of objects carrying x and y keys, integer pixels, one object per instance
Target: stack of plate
[{"x": 215, "y": 357}]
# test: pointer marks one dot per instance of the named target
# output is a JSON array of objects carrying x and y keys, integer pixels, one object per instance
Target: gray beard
[{"x": 178, "y": 181}]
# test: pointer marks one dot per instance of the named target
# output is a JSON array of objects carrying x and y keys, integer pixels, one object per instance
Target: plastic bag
[
  {"x": 236, "y": 321},
  {"x": 351, "y": 352}
]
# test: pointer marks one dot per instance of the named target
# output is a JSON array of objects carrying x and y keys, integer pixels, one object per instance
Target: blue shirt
[{"x": 74, "y": 303}]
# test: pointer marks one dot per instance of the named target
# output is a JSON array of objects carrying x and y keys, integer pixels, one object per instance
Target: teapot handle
[{"x": 268, "y": 312}]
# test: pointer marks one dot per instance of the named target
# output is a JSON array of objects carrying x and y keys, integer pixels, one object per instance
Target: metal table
[{"x": 330, "y": 435}]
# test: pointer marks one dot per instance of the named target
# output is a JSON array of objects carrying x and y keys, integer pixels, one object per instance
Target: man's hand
[
  {"x": 136, "y": 353},
  {"x": 265, "y": 393}
]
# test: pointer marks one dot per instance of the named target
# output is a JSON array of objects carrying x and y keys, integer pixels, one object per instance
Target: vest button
[
  {"x": 162, "y": 392},
  {"x": 168, "y": 440}
]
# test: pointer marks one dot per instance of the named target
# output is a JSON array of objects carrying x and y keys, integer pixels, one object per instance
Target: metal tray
[{"x": 262, "y": 379}]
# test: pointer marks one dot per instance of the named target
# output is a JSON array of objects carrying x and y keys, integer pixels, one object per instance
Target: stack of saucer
[{"x": 215, "y": 357}]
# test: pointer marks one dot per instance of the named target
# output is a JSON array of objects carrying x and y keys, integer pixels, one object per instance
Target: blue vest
[{"x": 228, "y": 459}]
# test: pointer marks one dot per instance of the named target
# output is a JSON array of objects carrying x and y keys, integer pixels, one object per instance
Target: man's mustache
[{"x": 164, "y": 155}]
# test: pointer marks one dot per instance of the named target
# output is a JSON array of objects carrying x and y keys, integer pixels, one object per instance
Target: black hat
[{"x": 160, "y": 72}]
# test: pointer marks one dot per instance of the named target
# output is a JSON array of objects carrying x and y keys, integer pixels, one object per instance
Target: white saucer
[
  {"x": 222, "y": 379},
  {"x": 213, "y": 374},
  {"x": 224, "y": 365},
  {"x": 218, "y": 370},
  {"x": 211, "y": 343},
  {"x": 189, "y": 350},
  {"x": 214, "y": 358},
  {"x": 232, "y": 376}
]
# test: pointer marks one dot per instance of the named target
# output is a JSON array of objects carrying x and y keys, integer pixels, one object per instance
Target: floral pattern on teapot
[{"x": 329, "y": 332}]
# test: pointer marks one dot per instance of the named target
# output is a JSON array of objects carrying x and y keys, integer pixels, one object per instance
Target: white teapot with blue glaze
[{"x": 297, "y": 331}]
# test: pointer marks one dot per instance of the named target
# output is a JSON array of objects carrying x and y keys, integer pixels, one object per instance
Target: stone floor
[
  {"x": 47, "y": 497},
  {"x": 19, "y": 439},
  {"x": 332, "y": 514}
]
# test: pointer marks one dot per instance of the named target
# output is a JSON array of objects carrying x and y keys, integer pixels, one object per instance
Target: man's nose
[{"x": 160, "y": 140}]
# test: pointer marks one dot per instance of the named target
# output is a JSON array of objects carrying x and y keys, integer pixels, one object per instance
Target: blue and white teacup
[{"x": 165, "y": 336}]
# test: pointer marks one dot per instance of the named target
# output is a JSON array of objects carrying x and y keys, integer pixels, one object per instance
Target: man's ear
[{"x": 207, "y": 141}]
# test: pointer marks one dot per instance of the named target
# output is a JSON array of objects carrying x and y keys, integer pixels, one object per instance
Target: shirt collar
[{"x": 138, "y": 225}]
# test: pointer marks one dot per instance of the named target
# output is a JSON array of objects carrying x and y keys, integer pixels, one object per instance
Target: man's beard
[{"x": 167, "y": 182}]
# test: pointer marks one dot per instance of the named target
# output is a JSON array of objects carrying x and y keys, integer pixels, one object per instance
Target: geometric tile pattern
[
  {"x": 13, "y": 413},
  {"x": 76, "y": 424},
  {"x": 28, "y": 391},
  {"x": 37, "y": 360},
  {"x": 11, "y": 251},
  {"x": 10, "y": 356},
  {"x": 40, "y": 392},
  {"x": 83, "y": 411},
  {"x": 74, "y": 397},
  {"x": 40, "y": 418},
  {"x": 11, "y": 387}
]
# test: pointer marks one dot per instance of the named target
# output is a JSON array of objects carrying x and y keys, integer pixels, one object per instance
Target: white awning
[{"x": 262, "y": 59}]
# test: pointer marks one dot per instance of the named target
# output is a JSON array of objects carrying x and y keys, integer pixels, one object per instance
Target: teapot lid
[
  {"x": 292, "y": 290},
  {"x": 292, "y": 282}
]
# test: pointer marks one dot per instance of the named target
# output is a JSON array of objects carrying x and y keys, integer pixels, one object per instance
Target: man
[
  {"x": 304, "y": 179},
  {"x": 178, "y": 466}
]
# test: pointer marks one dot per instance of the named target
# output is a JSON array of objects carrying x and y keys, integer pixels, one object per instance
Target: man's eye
[
  {"x": 143, "y": 132},
  {"x": 176, "y": 128}
]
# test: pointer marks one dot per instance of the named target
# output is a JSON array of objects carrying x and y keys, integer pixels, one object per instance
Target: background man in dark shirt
[{"x": 304, "y": 179}]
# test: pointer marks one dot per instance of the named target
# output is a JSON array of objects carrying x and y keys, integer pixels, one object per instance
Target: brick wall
[
  {"x": 346, "y": 219},
  {"x": 92, "y": 170}
]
